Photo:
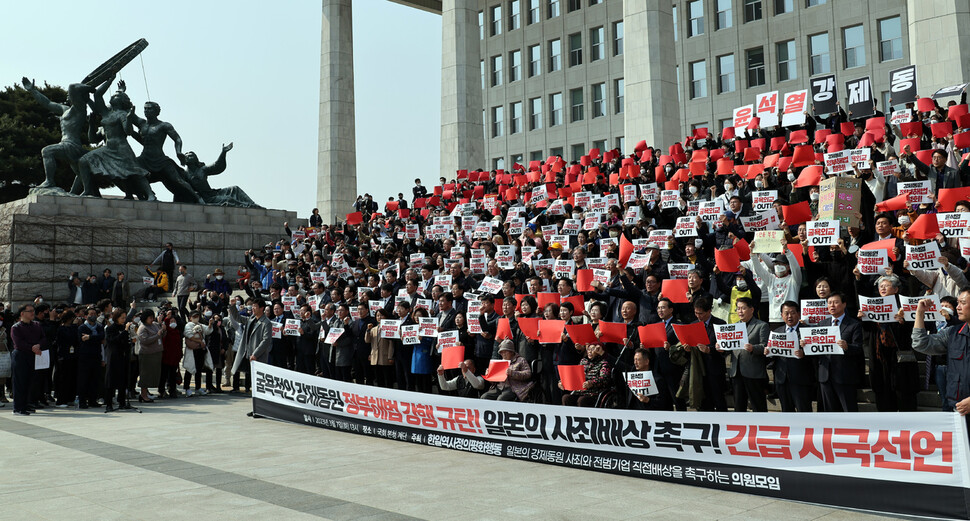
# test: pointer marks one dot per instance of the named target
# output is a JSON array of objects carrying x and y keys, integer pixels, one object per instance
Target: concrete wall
[
  {"x": 43, "y": 239},
  {"x": 940, "y": 42}
]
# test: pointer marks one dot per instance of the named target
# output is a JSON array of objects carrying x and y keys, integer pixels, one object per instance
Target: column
[
  {"x": 336, "y": 162},
  {"x": 462, "y": 135},
  {"x": 650, "y": 74},
  {"x": 939, "y": 43}
]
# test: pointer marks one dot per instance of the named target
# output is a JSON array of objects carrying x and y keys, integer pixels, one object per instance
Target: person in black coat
[
  {"x": 838, "y": 375},
  {"x": 89, "y": 360},
  {"x": 65, "y": 378},
  {"x": 714, "y": 365},
  {"x": 117, "y": 351},
  {"x": 794, "y": 377},
  {"x": 663, "y": 366},
  {"x": 306, "y": 344},
  {"x": 361, "y": 369}
]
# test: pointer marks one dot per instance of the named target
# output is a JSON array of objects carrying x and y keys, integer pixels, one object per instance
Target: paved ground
[{"x": 202, "y": 457}]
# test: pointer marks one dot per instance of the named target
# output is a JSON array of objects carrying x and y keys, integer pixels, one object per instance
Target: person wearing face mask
[
  {"x": 171, "y": 354},
  {"x": 262, "y": 270},
  {"x": 217, "y": 283},
  {"x": 729, "y": 287},
  {"x": 782, "y": 281},
  {"x": 90, "y": 359},
  {"x": 195, "y": 334}
]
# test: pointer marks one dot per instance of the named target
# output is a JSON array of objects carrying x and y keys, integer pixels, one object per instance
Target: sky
[{"x": 248, "y": 72}]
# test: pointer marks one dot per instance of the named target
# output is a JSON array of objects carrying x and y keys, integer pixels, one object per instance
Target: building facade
[{"x": 555, "y": 77}]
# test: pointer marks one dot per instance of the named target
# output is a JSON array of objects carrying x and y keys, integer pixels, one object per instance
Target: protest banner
[
  {"x": 823, "y": 233},
  {"x": 390, "y": 329},
  {"x": 839, "y": 199},
  {"x": 954, "y": 224},
  {"x": 783, "y": 344},
  {"x": 679, "y": 271},
  {"x": 908, "y": 306},
  {"x": 814, "y": 310},
  {"x": 878, "y": 309},
  {"x": 923, "y": 256},
  {"x": 793, "y": 456},
  {"x": 917, "y": 192},
  {"x": 685, "y": 227},
  {"x": 332, "y": 335},
  {"x": 731, "y": 337},
  {"x": 641, "y": 383},
  {"x": 410, "y": 334},
  {"x": 766, "y": 241},
  {"x": 763, "y": 200},
  {"x": 291, "y": 327},
  {"x": 277, "y": 330},
  {"x": 821, "y": 340},
  {"x": 872, "y": 262}
]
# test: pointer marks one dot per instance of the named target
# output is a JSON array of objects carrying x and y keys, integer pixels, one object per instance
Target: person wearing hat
[
  {"x": 518, "y": 382},
  {"x": 781, "y": 283},
  {"x": 555, "y": 250},
  {"x": 217, "y": 282},
  {"x": 726, "y": 230}
]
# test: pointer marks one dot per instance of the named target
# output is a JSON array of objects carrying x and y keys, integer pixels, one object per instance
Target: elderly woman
[
  {"x": 599, "y": 378},
  {"x": 150, "y": 335},
  {"x": 518, "y": 382}
]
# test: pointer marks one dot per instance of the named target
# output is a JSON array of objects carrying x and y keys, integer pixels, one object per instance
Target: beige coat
[{"x": 381, "y": 349}]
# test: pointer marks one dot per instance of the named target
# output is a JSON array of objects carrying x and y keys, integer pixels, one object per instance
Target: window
[
  {"x": 555, "y": 56},
  {"x": 553, "y": 8},
  {"x": 594, "y": 2},
  {"x": 498, "y": 163},
  {"x": 515, "y": 117},
  {"x": 756, "y": 67},
  {"x": 813, "y": 3},
  {"x": 620, "y": 143},
  {"x": 513, "y": 15},
  {"x": 535, "y": 60},
  {"x": 576, "y": 105},
  {"x": 673, "y": 12},
  {"x": 482, "y": 63},
  {"x": 535, "y": 12},
  {"x": 698, "y": 79},
  {"x": 577, "y": 151},
  {"x": 617, "y": 38},
  {"x": 752, "y": 10},
  {"x": 496, "y": 20},
  {"x": 481, "y": 25},
  {"x": 516, "y": 158},
  {"x": 555, "y": 151},
  {"x": 535, "y": 113},
  {"x": 598, "y": 93},
  {"x": 535, "y": 155},
  {"x": 575, "y": 49},
  {"x": 573, "y": 5},
  {"x": 695, "y": 13},
  {"x": 596, "y": 37},
  {"x": 725, "y": 123},
  {"x": 496, "y": 70},
  {"x": 784, "y": 6},
  {"x": 787, "y": 70},
  {"x": 618, "y": 96},
  {"x": 498, "y": 114},
  {"x": 600, "y": 144},
  {"x": 725, "y": 74},
  {"x": 555, "y": 109},
  {"x": 890, "y": 39},
  {"x": 853, "y": 39},
  {"x": 515, "y": 66},
  {"x": 724, "y": 15},
  {"x": 818, "y": 49}
]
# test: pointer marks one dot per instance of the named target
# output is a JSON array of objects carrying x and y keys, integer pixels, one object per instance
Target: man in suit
[
  {"x": 362, "y": 371},
  {"x": 714, "y": 367},
  {"x": 794, "y": 377},
  {"x": 306, "y": 344},
  {"x": 446, "y": 312},
  {"x": 670, "y": 371},
  {"x": 344, "y": 345},
  {"x": 257, "y": 340},
  {"x": 749, "y": 371},
  {"x": 838, "y": 375}
]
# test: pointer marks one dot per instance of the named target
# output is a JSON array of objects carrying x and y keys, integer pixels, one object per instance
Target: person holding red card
[
  {"x": 518, "y": 382},
  {"x": 599, "y": 378}
]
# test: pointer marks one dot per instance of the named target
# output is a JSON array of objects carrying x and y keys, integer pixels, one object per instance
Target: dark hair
[
  {"x": 703, "y": 303},
  {"x": 569, "y": 306},
  {"x": 531, "y": 301},
  {"x": 148, "y": 313},
  {"x": 118, "y": 313},
  {"x": 642, "y": 352},
  {"x": 744, "y": 300},
  {"x": 487, "y": 298},
  {"x": 447, "y": 296},
  {"x": 790, "y": 304},
  {"x": 23, "y": 308},
  {"x": 838, "y": 294}
]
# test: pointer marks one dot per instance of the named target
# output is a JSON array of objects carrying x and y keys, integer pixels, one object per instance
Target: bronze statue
[
  {"x": 152, "y": 133},
  {"x": 115, "y": 160},
  {"x": 197, "y": 174},
  {"x": 74, "y": 120}
]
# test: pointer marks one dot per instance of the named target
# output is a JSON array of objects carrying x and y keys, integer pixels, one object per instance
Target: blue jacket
[{"x": 954, "y": 343}]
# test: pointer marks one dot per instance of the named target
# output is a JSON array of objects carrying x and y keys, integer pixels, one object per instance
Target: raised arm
[
  {"x": 56, "y": 108},
  {"x": 220, "y": 165}
]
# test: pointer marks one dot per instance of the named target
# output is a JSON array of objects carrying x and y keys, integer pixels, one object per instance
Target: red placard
[
  {"x": 727, "y": 261},
  {"x": 529, "y": 327},
  {"x": 542, "y": 299},
  {"x": 550, "y": 331},
  {"x": 572, "y": 377},
  {"x": 504, "y": 329},
  {"x": 583, "y": 279},
  {"x": 949, "y": 197},
  {"x": 797, "y": 213},
  {"x": 612, "y": 332},
  {"x": 497, "y": 371},
  {"x": 692, "y": 334},
  {"x": 924, "y": 227},
  {"x": 452, "y": 356},
  {"x": 355, "y": 218},
  {"x": 675, "y": 290},
  {"x": 653, "y": 335}
]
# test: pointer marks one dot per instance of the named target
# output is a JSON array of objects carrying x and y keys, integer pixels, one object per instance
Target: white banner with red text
[{"x": 900, "y": 463}]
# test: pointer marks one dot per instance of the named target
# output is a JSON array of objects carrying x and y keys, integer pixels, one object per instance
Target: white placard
[
  {"x": 731, "y": 337},
  {"x": 821, "y": 340},
  {"x": 923, "y": 256},
  {"x": 878, "y": 309},
  {"x": 641, "y": 383},
  {"x": 823, "y": 233}
]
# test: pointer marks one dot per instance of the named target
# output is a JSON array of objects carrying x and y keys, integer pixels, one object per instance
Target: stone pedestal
[
  {"x": 462, "y": 131},
  {"x": 43, "y": 239}
]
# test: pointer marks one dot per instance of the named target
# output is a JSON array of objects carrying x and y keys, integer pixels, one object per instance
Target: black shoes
[{"x": 21, "y": 413}]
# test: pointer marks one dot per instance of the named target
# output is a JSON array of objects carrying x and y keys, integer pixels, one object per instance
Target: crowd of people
[{"x": 553, "y": 265}]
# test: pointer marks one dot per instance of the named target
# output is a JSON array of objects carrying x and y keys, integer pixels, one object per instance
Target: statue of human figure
[
  {"x": 152, "y": 133},
  {"x": 197, "y": 174},
  {"x": 114, "y": 161},
  {"x": 74, "y": 121}
]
